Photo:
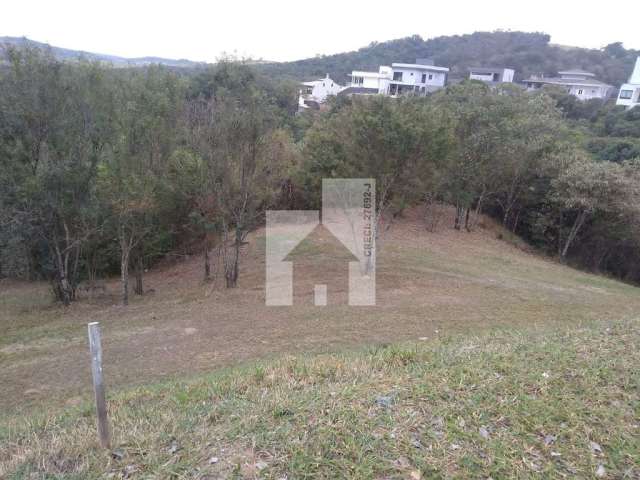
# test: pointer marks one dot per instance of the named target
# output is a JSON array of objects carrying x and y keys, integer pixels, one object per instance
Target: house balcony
[{"x": 397, "y": 88}]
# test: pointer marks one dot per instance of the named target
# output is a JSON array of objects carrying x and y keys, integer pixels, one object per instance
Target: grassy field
[
  {"x": 479, "y": 360},
  {"x": 532, "y": 403}
]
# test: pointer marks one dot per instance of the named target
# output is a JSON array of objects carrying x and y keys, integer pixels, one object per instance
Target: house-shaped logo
[{"x": 348, "y": 213}]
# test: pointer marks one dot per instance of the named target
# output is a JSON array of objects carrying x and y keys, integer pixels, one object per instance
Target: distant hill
[
  {"x": 71, "y": 55},
  {"x": 527, "y": 53}
]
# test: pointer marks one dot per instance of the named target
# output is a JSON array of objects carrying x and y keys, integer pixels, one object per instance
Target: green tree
[
  {"x": 502, "y": 140},
  {"x": 587, "y": 188},
  {"x": 395, "y": 141},
  {"x": 147, "y": 114},
  {"x": 241, "y": 157},
  {"x": 53, "y": 138}
]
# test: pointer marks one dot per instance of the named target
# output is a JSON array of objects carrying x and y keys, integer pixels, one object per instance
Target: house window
[
  {"x": 430, "y": 76},
  {"x": 580, "y": 92},
  {"x": 397, "y": 76},
  {"x": 357, "y": 80},
  {"x": 626, "y": 94},
  {"x": 424, "y": 78}
]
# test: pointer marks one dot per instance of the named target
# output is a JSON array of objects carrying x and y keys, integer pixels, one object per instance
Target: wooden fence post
[{"x": 95, "y": 348}]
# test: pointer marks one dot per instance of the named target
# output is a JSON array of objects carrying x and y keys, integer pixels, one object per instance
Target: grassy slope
[
  {"x": 528, "y": 403},
  {"x": 515, "y": 344}
]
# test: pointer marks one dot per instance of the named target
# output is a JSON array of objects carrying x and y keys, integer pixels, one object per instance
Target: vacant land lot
[{"x": 429, "y": 285}]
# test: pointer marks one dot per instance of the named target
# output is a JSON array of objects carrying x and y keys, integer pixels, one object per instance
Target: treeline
[
  {"x": 527, "y": 53},
  {"x": 107, "y": 170},
  {"x": 609, "y": 132},
  {"x": 506, "y": 152}
]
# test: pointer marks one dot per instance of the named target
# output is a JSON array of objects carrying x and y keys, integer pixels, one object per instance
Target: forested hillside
[
  {"x": 146, "y": 160},
  {"x": 527, "y": 53}
]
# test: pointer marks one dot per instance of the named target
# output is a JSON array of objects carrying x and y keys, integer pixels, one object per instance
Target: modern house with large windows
[
  {"x": 629, "y": 95},
  {"x": 417, "y": 78},
  {"x": 369, "y": 83},
  {"x": 580, "y": 84},
  {"x": 420, "y": 78}
]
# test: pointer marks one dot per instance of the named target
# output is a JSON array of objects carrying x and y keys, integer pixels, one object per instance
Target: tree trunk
[
  {"x": 138, "y": 269},
  {"x": 124, "y": 278},
  {"x": 478, "y": 212},
  {"x": 207, "y": 260},
  {"x": 599, "y": 259},
  {"x": 466, "y": 220},
  {"x": 511, "y": 200},
  {"x": 138, "y": 288},
  {"x": 459, "y": 215},
  {"x": 62, "y": 288},
  {"x": 505, "y": 218},
  {"x": 577, "y": 224},
  {"x": 233, "y": 267},
  {"x": 560, "y": 223},
  {"x": 91, "y": 271},
  {"x": 125, "y": 250},
  {"x": 514, "y": 227}
]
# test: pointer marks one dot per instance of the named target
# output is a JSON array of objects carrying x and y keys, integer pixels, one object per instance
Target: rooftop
[
  {"x": 420, "y": 67},
  {"x": 358, "y": 73},
  {"x": 488, "y": 69},
  {"x": 313, "y": 83},
  {"x": 591, "y": 82},
  {"x": 576, "y": 72}
]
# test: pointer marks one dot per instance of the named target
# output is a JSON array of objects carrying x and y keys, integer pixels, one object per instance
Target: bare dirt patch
[{"x": 428, "y": 285}]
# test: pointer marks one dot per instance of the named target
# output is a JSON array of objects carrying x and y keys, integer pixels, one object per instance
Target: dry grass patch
[
  {"x": 428, "y": 284},
  {"x": 543, "y": 402}
]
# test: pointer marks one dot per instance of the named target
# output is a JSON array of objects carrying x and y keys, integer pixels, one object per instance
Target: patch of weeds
[
  {"x": 259, "y": 374},
  {"x": 397, "y": 355}
]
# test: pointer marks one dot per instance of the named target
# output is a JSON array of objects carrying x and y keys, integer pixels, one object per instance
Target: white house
[
  {"x": 629, "y": 95},
  {"x": 491, "y": 75},
  {"x": 582, "y": 85},
  {"x": 369, "y": 83},
  {"x": 419, "y": 78},
  {"x": 317, "y": 91}
]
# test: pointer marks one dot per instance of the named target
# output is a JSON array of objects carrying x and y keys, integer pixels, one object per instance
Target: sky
[{"x": 289, "y": 30}]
